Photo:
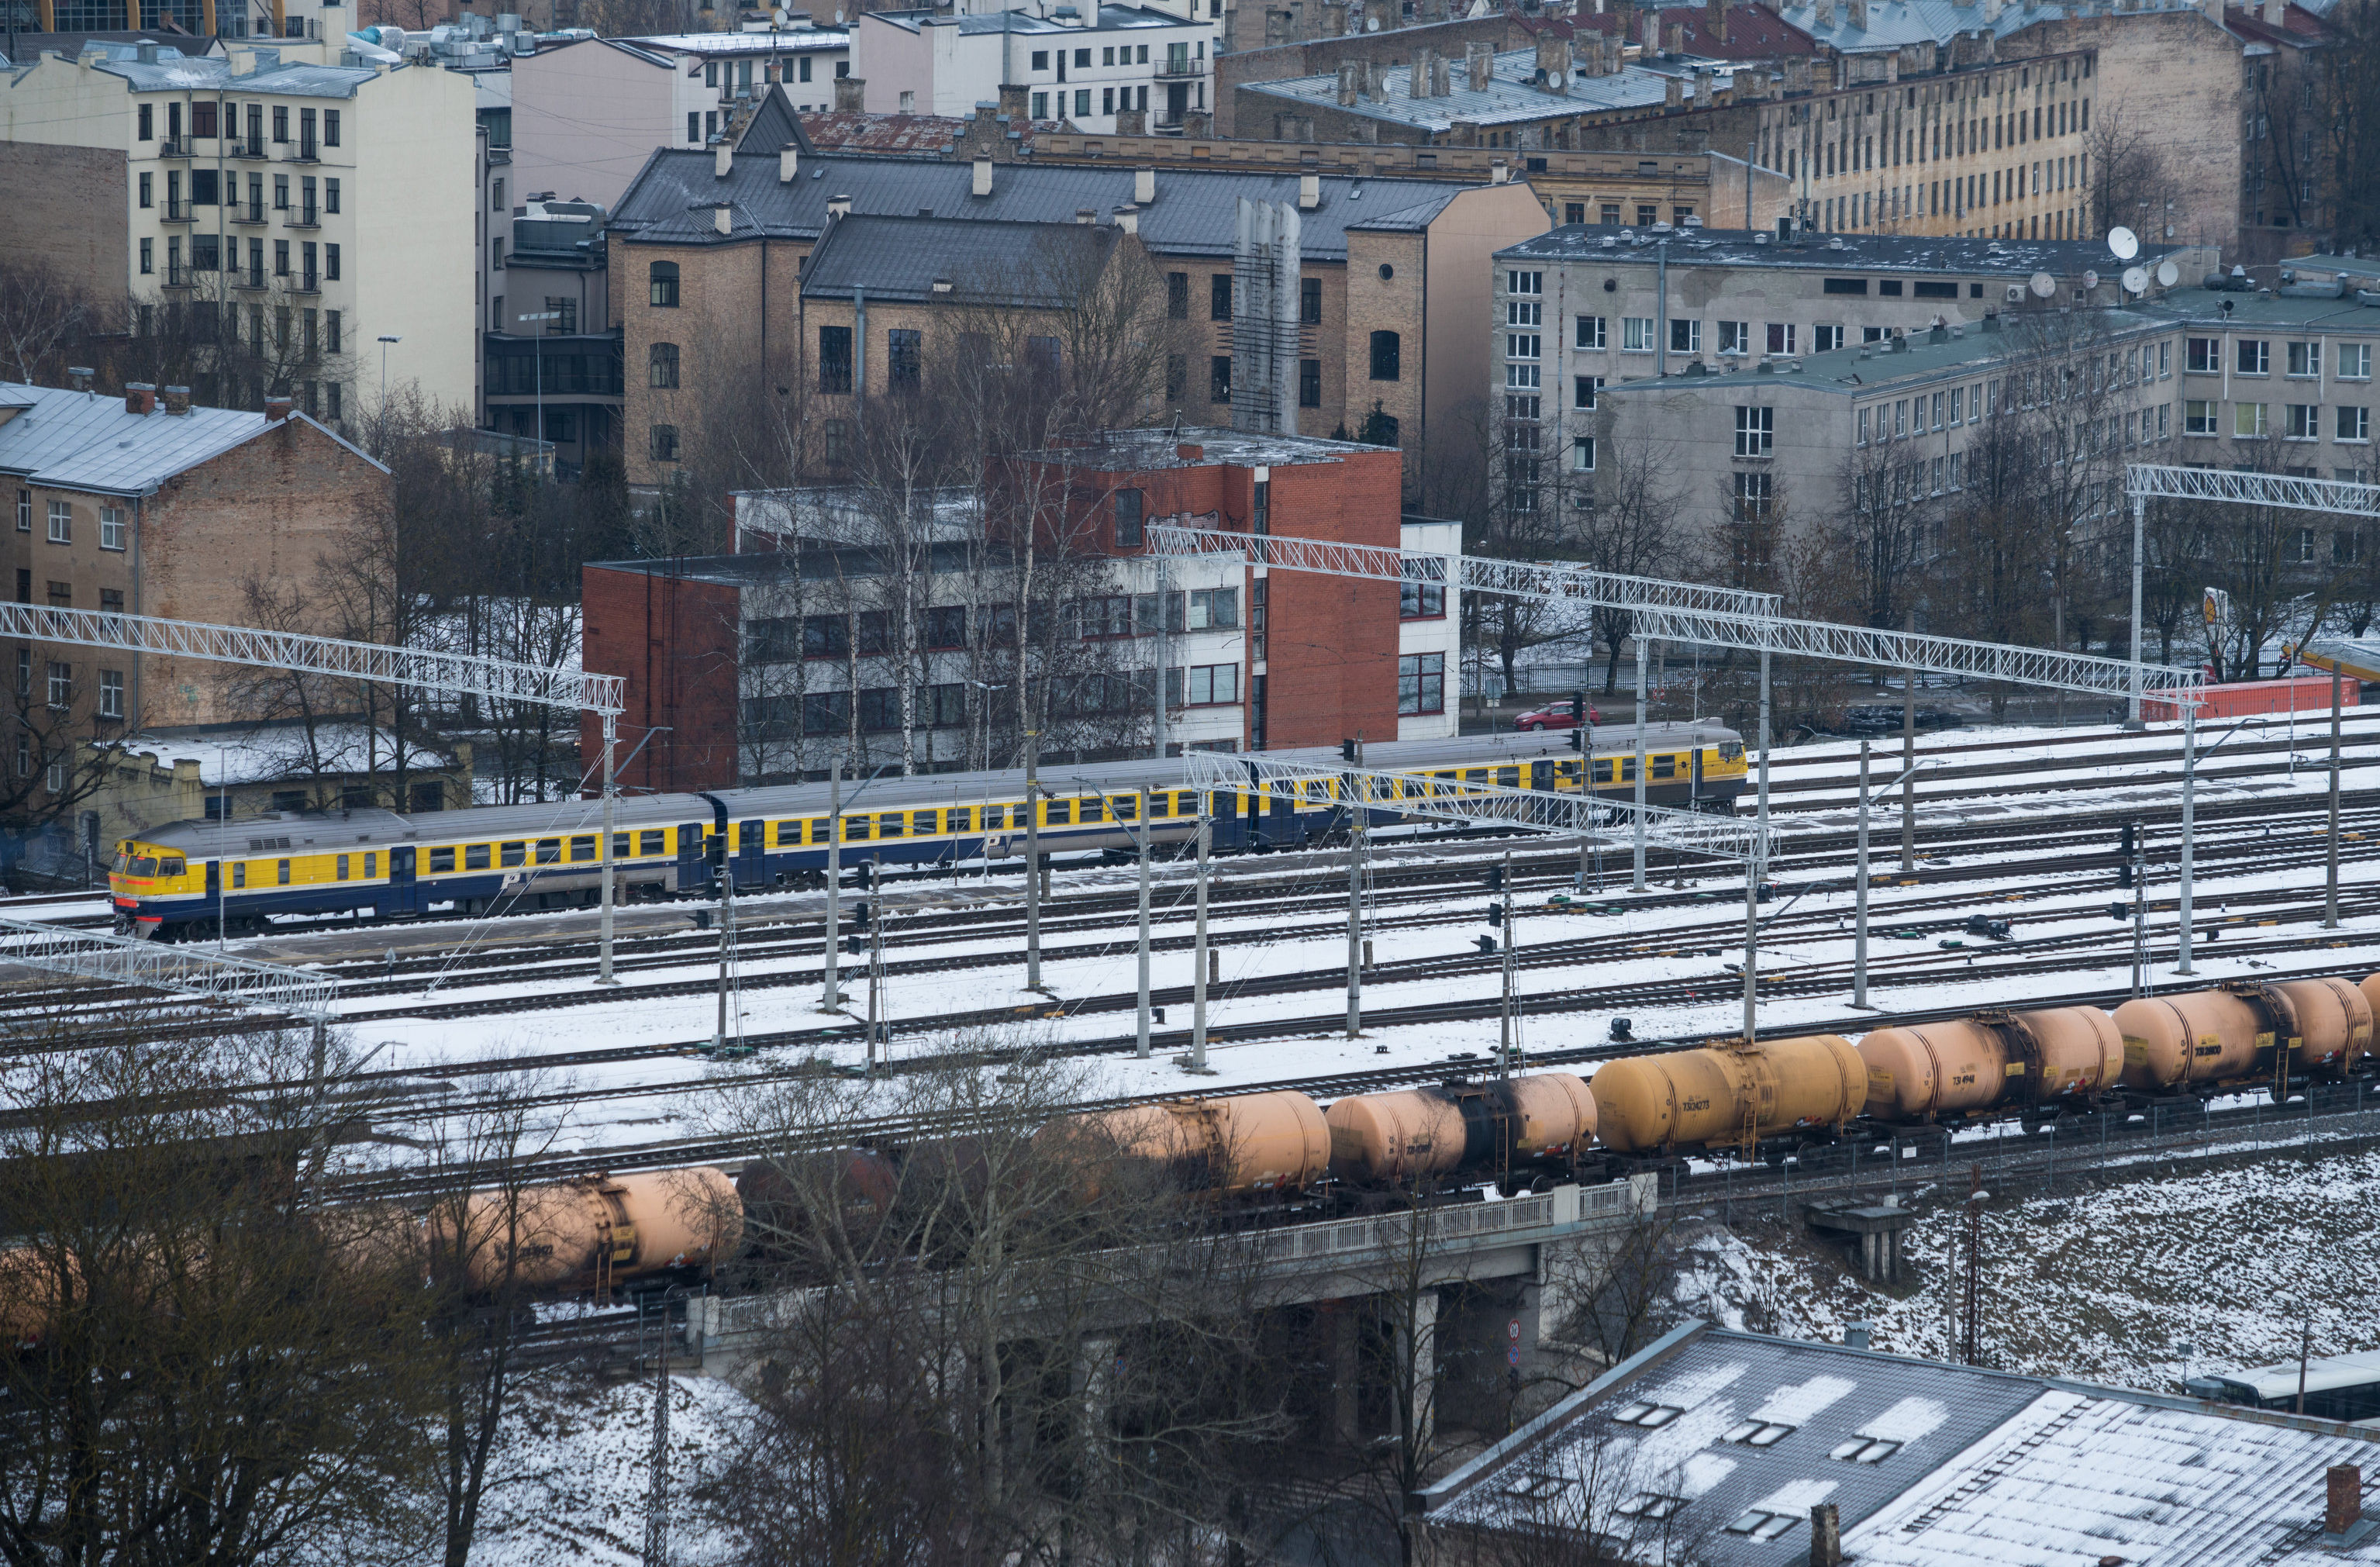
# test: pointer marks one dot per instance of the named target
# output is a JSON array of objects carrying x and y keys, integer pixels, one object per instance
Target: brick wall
[
  {"x": 67, "y": 208},
  {"x": 1331, "y": 642},
  {"x": 674, "y": 638}
]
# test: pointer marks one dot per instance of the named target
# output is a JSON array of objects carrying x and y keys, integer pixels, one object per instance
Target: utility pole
[
  {"x": 1032, "y": 845},
  {"x": 724, "y": 870},
  {"x": 2138, "y": 865},
  {"x": 2331, "y": 898},
  {"x": 1637, "y": 883},
  {"x": 1504, "y": 1013},
  {"x": 832, "y": 999},
  {"x": 657, "y": 1497},
  {"x": 2132, "y": 708},
  {"x": 1199, "y": 949},
  {"x": 875, "y": 968},
  {"x": 611, "y": 849},
  {"x": 2190, "y": 821},
  {"x": 1142, "y": 1038},
  {"x": 1353, "y": 752},
  {"x": 1972, "y": 1287},
  {"x": 1909, "y": 761},
  {"x": 1582, "y": 738},
  {"x": 1755, "y": 867},
  {"x": 1859, "y": 897}
]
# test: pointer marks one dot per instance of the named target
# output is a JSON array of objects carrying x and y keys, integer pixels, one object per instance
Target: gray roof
[
  {"x": 1867, "y": 368},
  {"x": 1512, "y": 96},
  {"x": 1022, "y": 24},
  {"x": 1196, "y": 212},
  {"x": 86, "y": 441},
  {"x": 985, "y": 261},
  {"x": 2014, "y": 259},
  {"x": 798, "y": 40},
  {"x": 1892, "y": 23},
  {"x": 292, "y": 78},
  {"x": 1989, "y": 1469}
]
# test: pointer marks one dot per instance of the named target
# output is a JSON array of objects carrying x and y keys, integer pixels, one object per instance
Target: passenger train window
[
  {"x": 172, "y": 867},
  {"x": 1603, "y": 773},
  {"x": 1628, "y": 770},
  {"x": 583, "y": 848},
  {"x": 239, "y": 873},
  {"x": 371, "y": 865},
  {"x": 922, "y": 823},
  {"x": 1665, "y": 767},
  {"x": 620, "y": 842},
  {"x": 285, "y": 873},
  {"x": 440, "y": 860},
  {"x": 549, "y": 851},
  {"x": 650, "y": 841},
  {"x": 513, "y": 853},
  {"x": 959, "y": 819},
  {"x": 1092, "y": 810},
  {"x": 343, "y": 868},
  {"x": 890, "y": 825},
  {"x": 474, "y": 857},
  {"x": 855, "y": 829},
  {"x": 787, "y": 832}
]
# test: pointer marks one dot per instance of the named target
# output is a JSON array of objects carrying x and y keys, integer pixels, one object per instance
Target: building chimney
[
  {"x": 722, "y": 158},
  {"x": 1144, "y": 186},
  {"x": 789, "y": 160},
  {"x": 850, "y": 94},
  {"x": 1715, "y": 18},
  {"x": 1189, "y": 454},
  {"x": 178, "y": 399},
  {"x": 2275, "y": 12},
  {"x": 276, "y": 409},
  {"x": 140, "y": 397},
  {"x": 2342, "y": 1499},
  {"x": 1826, "y": 1535},
  {"x": 838, "y": 206},
  {"x": 1309, "y": 192},
  {"x": 1673, "y": 92},
  {"x": 1348, "y": 70},
  {"x": 1479, "y": 60},
  {"x": 1012, "y": 103},
  {"x": 722, "y": 217},
  {"x": 1500, "y": 172},
  {"x": 982, "y": 185},
  {"x": 1856, "y": 1334},
  {"x": 1553, "y": 58},
  {"x": 1127, "y": 218},
  {"x": 1087, "y": 215},
  {"x": 79, "y": 377},
  {"x": 1376, "y": 82},
  {"x": 1441, "y": 77},
  {"x": 1417, "y": 80}
]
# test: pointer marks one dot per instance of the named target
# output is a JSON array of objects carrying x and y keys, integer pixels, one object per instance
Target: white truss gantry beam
[
  {"x": 2337, "y": 497},
  {"x": 1679, "y": 612},
  {"x": 1433, "y": 798},
  {"x": 179, "y": 970},
  {"x": 458, "y": 673}
]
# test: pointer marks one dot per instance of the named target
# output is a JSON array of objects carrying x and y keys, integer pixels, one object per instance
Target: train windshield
[{"x": 145, "y": 865}]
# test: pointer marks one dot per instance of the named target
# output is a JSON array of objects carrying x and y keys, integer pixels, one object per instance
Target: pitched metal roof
[
  {"x": 1512, "y": 96},
  {"x": 1023, "y": 24},
  {"x": 1905, "y": 253},
  {"x": 1195, "y": 211},
  {"x": 1892, "y": 23},
  {"x": 804, "y": 40},
  {"x": 291, "y": 79},
  {"x": 984, "y": 262},
  {"x": 86, "y": 441},
  {"x": 1754, "y": 32}
]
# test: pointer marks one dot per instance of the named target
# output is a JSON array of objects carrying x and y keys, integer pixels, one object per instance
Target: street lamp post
[
  {"x": 386, "y": 339},
  {"x": 539, "y": 349}
]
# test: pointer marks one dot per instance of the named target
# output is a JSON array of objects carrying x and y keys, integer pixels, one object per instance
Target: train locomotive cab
[{"x": 153, "y": 888}]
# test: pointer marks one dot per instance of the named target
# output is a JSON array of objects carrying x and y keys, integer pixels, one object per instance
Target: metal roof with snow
[
  {"x": 1512, "y": 96},
  {"x": 974, "y": 261},
  {"x": 85, "y": 441},
  {"x": 1715, "y": 1445}
]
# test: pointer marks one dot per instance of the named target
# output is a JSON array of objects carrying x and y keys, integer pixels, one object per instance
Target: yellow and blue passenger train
[{"x": 186, "y": 878}]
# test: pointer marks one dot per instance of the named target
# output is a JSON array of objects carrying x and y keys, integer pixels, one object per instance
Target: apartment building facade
[
  {"x": 1393, "y": 279},
  {"x": 144, "y": 503},
  {"x": 587, "y": 112},
  {"x": 552, "y": 366},
  {"x": 1097, "y": 67},
  {"x": 281, "y": 214}
]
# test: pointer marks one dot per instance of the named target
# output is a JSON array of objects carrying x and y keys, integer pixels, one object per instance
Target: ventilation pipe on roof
[
  {"x": 276, "y": 409},
  {"x": 1309, "y": 192},
  {"x": 178, "y": 399},
  {"x": 1499, "y": 172},
  {"x": 140, "y": 397},
  {"x": 982, "y": 184},
  {"x": 722, "y": 218},
  {"x": 1826, "y": 1535},
  {"x": 789, "y": 162},
  {"x": 838, "y": 206},
  {"x": 722, "y": 158},
  {"x": 1144, "y": 186}
]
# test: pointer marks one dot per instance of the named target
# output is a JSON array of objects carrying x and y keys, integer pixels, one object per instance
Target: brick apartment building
[
  {"x": 1393, "y": 272},
  {"x": 768, "y": 665},
  {"x": 149, "y": 506}
]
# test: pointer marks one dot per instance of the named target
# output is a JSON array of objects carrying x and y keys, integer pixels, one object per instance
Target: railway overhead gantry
[
  {"x": 420, "y": 668},
  {"x": 1735, "y": 618}
]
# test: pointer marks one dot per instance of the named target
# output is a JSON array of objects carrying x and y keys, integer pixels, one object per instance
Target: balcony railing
[
  {"x": 306, "y": 283},
  {"x": 178, "y": 276},
  {"x": 303, "y": 217},
  {"x": 248, "y": 147},
  {"x": 244, "y": 212},
  {"x": 175, "y": 209},
  {"x": 304, "y": 153},
  {"x": 245, "y": 278},
  {"x": 173, "y": 147}
]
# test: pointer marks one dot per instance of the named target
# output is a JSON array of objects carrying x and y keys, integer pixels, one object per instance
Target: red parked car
[{"x": 1556, "y": 715}]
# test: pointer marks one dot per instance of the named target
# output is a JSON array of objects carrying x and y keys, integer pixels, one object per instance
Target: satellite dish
[
  {"x": 2167, "y": 274},
  {"x": 2136, "y": 280},
  {"x": 2090, "y": 281},
  {"x": 2123, "y": 242},
  {"x": 2043, "y": 285}
]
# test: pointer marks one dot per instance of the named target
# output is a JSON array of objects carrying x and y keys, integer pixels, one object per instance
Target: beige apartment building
[{"x": 294, "y": 219}]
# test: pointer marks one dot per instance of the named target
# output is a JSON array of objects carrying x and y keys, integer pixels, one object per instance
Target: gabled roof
[
  {"x": 1512, "y": 96},
  {"x": 1754, "y": 32},
  {"x": 802, "y": 40},
  {"x": 1195, "y": 211},
  {"x": 928, "y": 135},
  {"x": 87, "y": 441},
  {"x": 983, "y": 261},
  {"x": 775, "y": 122},
  {"x": 1021, "y": 24},
  {"x": 171, "y": 72},
  {"x": 1892, "y": 23}
]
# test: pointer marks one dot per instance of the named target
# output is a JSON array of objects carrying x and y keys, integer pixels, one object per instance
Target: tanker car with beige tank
[
  {"x": 1766, "y": 1097},
  {"x": 600, "y": 1231},
  {"x": 2042, "y": 1063},
  {"x": 1497, "y": 1128},
  {"x": 1234, "y": 1144},
  {"x": 2246, "y": 1033}
]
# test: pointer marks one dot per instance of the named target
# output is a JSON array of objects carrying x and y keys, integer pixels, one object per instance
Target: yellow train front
[{"x": 194, "y": 877}]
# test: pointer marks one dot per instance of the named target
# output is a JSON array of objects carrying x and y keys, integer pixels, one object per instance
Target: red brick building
[{"x": 760, "y": 667}]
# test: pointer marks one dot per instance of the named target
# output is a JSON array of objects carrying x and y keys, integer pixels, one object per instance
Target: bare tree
[{"x": 2128, "y": 179}]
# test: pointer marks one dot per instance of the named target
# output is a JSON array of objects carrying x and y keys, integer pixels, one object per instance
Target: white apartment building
[
  {"x": 1081, "y": 66},
  {"x": 298, "y": 215},
  {"x": 587, "y": 114}
]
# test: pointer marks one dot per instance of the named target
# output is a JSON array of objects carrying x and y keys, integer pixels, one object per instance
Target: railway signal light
[
  {"x": 1496, "y": 916},
  {"x": 1486, "y": 945},
  {"x": 1347, "y": 752},
  {"x": 1495, "y": 878},
  {"x": 2126, "y": 847},
  {"x": 2119, "y": 911}
]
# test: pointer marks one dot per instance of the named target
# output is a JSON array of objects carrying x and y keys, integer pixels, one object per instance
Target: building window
[
  {"x": 1310, "y": 300},
  {"x": 2354, "y": 361},
  {"x": 1752, "y": 496},
  {"x": 2198, "y": 416},
  {"x": 694, "y": 126},
  {"x": 1202, "y": 686},
  {"x": 111, "y": 693},
  {"x": 330, "y": 262},
  {"x": 836, "y": 439},
  {"x": 1636, "y": 334},
  {"x": 24, "y": 511},
  {"x": 2354, "y": 424},
  {"x": 2306, "y": 359},
  {"x": 2254, "y": 357},
  {"x": 1219, "y": 379},
  {"x": 1421, "y": 682},
  {"x": 148, "y": 124},
  {"x": 661, "y": 365},
  {"x": 1685, "y": 336},
  {"x": 662, "y": 280},
  {"x": 1582, "y": 454},
  {"x": 1583, "y": 390},
  {"x": 330, "y": 128},
  {"x": 1735, "y": 337},
  {"x": 1419, "y": 598},
  {"x": 111, "y": 600},
  {"x": 1755, "y": 431},
  {"x": 1041, "y": 105},
  {"x": 1388, "y": 350},
  {"x": 110, "y": 525},
  {"x": 1780, "y": 337},
  {"x": 835, "y": 360},
  {"x": 1219, "y": 297},
  {"x": 1309, "y": 383},
  {"x": 61, "y": 685},
  {"x": 2303, "y": 421},
  {"x": 903, "y": 359},
  {"x": 1128, "y": 515},
  {"x": 61, "y": 523},
  {"x": 665, "y": 443},
  {"x": 1589, "y": 333},
  {"x": 2248, "y": 421}
]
